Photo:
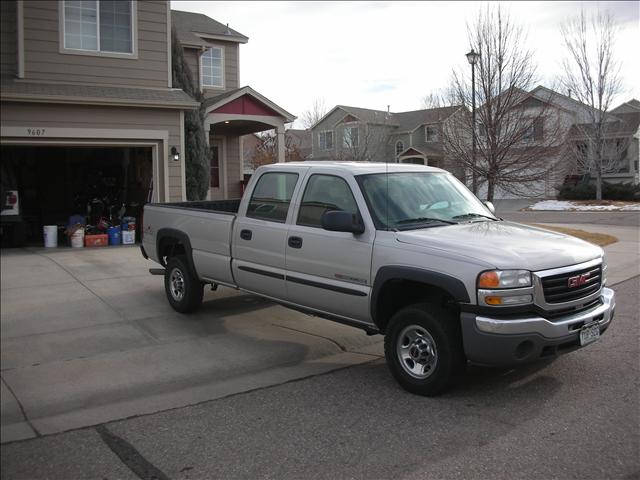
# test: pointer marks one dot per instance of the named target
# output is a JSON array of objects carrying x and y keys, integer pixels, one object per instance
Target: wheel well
[
  {"x": 170, "y": 247},
  {"x": 397, "y": 293}
]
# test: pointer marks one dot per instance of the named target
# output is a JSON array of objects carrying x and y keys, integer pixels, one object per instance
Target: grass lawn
[{"x": 601, "y": 239}]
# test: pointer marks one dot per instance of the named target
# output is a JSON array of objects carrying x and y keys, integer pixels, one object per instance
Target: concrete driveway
[{"x": 88, "y": 337}]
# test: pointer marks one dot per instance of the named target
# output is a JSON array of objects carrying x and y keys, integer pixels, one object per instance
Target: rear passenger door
[
  {"x": 329, "y": 271},
  {"x": 260, "y": 235}
]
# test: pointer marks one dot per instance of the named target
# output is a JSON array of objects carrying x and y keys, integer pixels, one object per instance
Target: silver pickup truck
[{"x": 405, "y": 251}]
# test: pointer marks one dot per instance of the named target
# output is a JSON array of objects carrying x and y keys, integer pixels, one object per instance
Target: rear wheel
[
  {"x": 184, "y": 290},
  {"x": 423, "y": 348}
]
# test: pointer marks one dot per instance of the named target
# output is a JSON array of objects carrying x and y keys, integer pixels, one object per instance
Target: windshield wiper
[
  {"x": 472, "y": 215},
  {"x": 424, "y": 220}
]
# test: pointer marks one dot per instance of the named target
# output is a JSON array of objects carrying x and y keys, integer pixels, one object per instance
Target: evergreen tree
[{"x": 196, "y": 149}]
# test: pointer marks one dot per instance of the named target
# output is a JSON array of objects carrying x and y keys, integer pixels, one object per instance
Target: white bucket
[
  {"x": 77, "y": 238},
  {"x": 128, "y": 237},
  {"x": 50, "y": 236}
]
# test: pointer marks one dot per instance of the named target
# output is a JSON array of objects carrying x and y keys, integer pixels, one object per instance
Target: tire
[
  {"x": 423, "y": 348},
  {"x": 184, "y": 290}
]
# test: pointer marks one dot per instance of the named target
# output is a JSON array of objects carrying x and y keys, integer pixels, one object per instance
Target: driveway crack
[
  {"x": 128, "y": 455},
  {"x": 22, "y": 410}
]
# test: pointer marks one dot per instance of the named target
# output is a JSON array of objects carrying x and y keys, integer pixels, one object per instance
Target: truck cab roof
[{"x": 355, "y": 168}]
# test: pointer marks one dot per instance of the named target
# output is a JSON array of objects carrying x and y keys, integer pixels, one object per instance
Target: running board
[{"x": 156, "y": 271}]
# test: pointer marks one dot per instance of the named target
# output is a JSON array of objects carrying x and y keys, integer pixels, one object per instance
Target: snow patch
[{"x": 560, "y": 205}]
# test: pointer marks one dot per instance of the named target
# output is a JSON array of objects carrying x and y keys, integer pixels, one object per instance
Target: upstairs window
[
  {"x": 350, "y": 138},
  {"x": 535, "y": 131},
  {"x": 431, "y": 133},
  {"x": 212, "y": 67},
  {"x": 325, "y": 140},
  {"x": 99, "y": 26},
  {"x": 399, "y": 147}
]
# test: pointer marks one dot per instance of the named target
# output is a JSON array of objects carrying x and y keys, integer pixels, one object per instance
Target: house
[
  {"x": 620, "y": 137},
  {"x": 212, "y": 51},
  {"x": 547, "y": 117},
  {"x": 89, "y": 112},
  {"x": 88, "y": 108},
  {"x": 360, "y": 134}
]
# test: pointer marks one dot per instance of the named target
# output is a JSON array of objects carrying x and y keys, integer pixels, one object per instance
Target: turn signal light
[
  {"x": 489, "y": 280},
  {"x": 493, "y": 300}
]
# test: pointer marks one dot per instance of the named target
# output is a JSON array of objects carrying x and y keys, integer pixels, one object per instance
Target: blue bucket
[{"x": 115, "y": 238}]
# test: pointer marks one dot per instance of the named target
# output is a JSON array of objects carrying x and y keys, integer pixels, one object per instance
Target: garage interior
[{"x": 57, "y": 182}]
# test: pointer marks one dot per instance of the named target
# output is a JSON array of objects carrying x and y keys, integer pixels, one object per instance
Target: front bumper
[{"x": 495, "y": 341}]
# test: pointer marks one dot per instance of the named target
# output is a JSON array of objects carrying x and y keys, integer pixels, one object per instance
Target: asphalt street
[{"x": 576, "y": 417}]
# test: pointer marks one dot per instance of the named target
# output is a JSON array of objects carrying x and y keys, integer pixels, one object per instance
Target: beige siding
[
  {"x": 108, "y": 118},
  {"x": 43, "y": 61},
  {"x": 8, "y": 22}
]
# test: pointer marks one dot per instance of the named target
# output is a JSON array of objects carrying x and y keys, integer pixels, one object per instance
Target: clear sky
[{"x": 374, "y": 54}]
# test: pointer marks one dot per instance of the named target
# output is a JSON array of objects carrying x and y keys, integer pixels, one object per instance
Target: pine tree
[{"x": 196, "y": 148}]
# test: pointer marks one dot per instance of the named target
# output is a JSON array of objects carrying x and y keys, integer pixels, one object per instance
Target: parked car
[{"x": 405, "y": 251}]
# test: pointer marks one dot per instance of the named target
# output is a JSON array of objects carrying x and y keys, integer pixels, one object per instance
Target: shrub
[{"x": 610, "y": 191}]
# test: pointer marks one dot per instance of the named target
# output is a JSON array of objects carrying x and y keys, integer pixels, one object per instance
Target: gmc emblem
[{"x": 578, "y": 280}]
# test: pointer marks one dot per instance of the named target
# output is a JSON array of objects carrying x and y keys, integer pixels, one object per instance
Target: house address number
[{"x": 36, "y": 132}]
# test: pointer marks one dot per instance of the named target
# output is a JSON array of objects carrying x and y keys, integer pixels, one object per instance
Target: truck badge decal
[{"x": 578, "y": 280}]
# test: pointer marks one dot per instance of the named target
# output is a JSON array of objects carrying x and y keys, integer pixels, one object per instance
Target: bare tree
[
  {"x": 519, "y": 138},
  {"x": 439, "y": 98},
  {"x": 311, "y": 116},
  {"x": 592, "y": 74},
  {"x": 364, "y": 141},
  {"x": 266, "y": 152}
]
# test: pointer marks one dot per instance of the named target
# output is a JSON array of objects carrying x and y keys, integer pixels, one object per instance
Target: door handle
[
  {"x": 246, "y": 234},
  {"x": 295, "y": 242}
]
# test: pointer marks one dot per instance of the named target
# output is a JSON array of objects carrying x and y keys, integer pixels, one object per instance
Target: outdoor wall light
[{"x": 175, "y": 155}]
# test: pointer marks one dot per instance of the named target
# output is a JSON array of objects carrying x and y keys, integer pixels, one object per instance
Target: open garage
[{"x": 101, "y": 184}]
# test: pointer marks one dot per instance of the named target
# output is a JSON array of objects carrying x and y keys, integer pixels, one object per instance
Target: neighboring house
[
  {"x": 212, "y": 52},
  {"x": 622, "y": 155},
  {"x": 548, "y": 137},
  {"x": 360, "y": 134},
  {"x": 88, "y": 107}
]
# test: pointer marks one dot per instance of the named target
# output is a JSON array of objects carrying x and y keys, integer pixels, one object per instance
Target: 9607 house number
[{"x": 35, "y": 132}]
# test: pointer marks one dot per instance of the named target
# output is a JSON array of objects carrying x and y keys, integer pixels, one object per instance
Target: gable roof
[
  {"x": 190, "y": 27},
  {"x": 627, "y": 107},
  {"x": 368, "y": 115},
  {"x": 409, "y": 121},
  {"x": 213, "y": 103}
]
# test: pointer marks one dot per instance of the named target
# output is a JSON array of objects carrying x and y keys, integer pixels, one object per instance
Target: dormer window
[
  {"x": 431, "y": 133},
  {"x": 99, "y": 26},
  {"x": 212, "y": 68}
]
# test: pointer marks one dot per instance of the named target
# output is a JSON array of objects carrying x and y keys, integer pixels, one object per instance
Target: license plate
[{"x": 589, "y": 333}]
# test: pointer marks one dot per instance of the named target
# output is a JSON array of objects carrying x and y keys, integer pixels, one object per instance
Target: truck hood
[{"x": 504, "y": 245}]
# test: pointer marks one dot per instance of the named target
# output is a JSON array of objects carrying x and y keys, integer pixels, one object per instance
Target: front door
[
  {"x": 329, "y": 271},
  {"x": 216, "y": 160},
  {"x": 260, "y": 236}
]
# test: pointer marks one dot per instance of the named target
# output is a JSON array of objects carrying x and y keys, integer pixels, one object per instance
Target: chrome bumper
[{"x": 560, "y": 327}]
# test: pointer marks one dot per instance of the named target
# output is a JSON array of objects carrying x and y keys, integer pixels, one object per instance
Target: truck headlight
[{"x": 504, "y": 279}]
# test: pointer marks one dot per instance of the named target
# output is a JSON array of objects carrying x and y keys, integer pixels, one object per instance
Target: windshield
[{"x": 410, "y": 200}]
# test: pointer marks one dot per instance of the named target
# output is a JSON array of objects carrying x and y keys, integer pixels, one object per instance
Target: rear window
[{"x": 271, "y": 197}]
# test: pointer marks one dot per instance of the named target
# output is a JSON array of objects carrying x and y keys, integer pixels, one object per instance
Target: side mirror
[
  {"x": 490, "y": 206},
  {"x": 338, "y": 221}
]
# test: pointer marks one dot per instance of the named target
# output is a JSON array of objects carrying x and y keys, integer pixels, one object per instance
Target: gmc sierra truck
[{"x": 401, "y": 250}]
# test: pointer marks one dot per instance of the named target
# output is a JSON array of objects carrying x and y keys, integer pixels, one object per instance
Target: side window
[
  {"x": 271, "y": 197},
  {"x": 325, "y": 193}
]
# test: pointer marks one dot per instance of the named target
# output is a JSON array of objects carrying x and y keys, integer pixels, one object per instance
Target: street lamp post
[{"x": 472, "y": 58}]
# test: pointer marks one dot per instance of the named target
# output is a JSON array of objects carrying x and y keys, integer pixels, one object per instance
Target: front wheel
[
  {"x": 423, "y": 348},
  {"x": 184, "y": 290}
]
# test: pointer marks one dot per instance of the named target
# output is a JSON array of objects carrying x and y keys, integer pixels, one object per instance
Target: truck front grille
[{"x": 559, "y": 288}]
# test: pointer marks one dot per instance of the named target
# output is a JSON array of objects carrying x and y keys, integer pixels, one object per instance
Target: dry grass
[{"x": 601, "y": 239}]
